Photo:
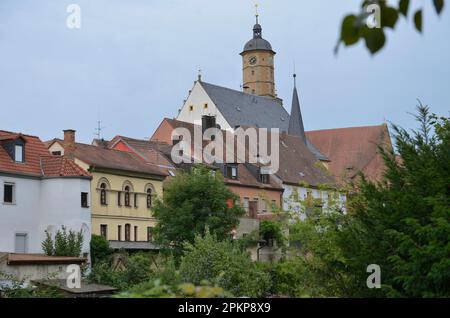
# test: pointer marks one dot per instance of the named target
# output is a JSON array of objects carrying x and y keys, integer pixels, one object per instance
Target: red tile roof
[
  {"x": 352, "y": 150},
  {"x": 57, "y": 166},
  {"x": 38, "y": 161},
  {"x": 101, "y": 157}
]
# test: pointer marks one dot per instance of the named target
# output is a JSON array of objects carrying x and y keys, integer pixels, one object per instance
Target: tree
[
  {"x": 403, "y": 222},
  {"x": 100, "y": 250},
  {"x": 65, "y": 243},
  {"x": 354, "y": 28},
  {"x": 192, "y": 202},
  {"x": 223, "y": 263}
]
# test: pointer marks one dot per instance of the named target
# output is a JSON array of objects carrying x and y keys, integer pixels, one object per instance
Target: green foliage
[
  {"x": 137, "y": 268},
  {"x": 272, "y": 231},
  {"x": 100, "y": 250},
  {"x": 403, "y": 222},
  {"x": 64, "y": 244},
  {"x": 154, "y": 289},
  {"x": 47, "y": 244},
  {"x": 18, "y": 288},
  {"x": 354, "y": 28},
  {"x": 225, "y": 264},
  {"x": 192, "y": 202}
]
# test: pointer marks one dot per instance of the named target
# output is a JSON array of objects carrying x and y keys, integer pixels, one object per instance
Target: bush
[
  {"x": 223, "y": 263},
  {"x": 64, "y": 244},
  {"x": 100, "y": 250}
]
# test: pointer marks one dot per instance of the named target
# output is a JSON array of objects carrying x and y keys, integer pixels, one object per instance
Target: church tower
[{"x": 258, "y": 65}]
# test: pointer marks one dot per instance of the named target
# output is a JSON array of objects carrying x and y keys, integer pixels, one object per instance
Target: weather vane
[{"x": 256, "y": 12}]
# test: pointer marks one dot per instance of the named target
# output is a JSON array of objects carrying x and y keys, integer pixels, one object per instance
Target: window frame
[
  {"x": 13, "y": 193},
  {"x": 103, "y": 194},
  {"x": 104, "y": 231},
  {"x": 22, "y": 152},
  {"x": 85, "y": 200}
]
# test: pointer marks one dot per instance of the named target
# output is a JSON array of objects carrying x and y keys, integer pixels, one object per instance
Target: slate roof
[
  {"x": 352, "y": 150},
  {"x": 242, "y": 109},
  {"x": 38, "y": 161}
]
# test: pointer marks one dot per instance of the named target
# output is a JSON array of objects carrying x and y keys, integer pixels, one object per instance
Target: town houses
[{"x": 108, "y": 187}]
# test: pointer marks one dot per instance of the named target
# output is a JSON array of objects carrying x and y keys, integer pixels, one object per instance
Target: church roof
[
  {"x": 242, "y": 109},
  {"x": 257, "y": 43},
  {"x": 352, "y": 150}
]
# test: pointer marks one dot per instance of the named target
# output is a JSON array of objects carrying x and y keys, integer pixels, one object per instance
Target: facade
[
  {"x": 242, "y": 178},
  {"x": 39, "y": 193},
  {"x": 123, "y": 191}
]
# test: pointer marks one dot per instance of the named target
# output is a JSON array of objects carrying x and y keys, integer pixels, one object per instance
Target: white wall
[
  {"x": 40, "y": 205},
  {"x": 61, "y": 205},
  {"x": 289, "y": 204},
  {"x": 198, "y": 98},
  {"x": 21, "y": 217}
]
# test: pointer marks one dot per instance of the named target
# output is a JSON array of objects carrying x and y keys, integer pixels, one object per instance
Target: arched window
[
  {"x": 127, "y": 196},
  {"x": 127, "y": 232},
  {"x": 103, "y": 194},
  {"x": 149, "y": 198}
]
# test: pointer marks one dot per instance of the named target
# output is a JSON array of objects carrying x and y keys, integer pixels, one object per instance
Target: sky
[{"x": 132, "y": 63}]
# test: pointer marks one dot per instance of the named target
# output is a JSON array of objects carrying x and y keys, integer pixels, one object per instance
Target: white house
[{"x": 39, "y": 192}]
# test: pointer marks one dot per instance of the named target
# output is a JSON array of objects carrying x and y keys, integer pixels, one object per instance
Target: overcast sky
[{"x": 133, "y": 62}]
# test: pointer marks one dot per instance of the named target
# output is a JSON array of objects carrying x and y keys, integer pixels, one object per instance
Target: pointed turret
[{"x": 296, "y": 127}]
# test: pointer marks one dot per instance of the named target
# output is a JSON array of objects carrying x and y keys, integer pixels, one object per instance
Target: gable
[{"x": 199, "y": 104}]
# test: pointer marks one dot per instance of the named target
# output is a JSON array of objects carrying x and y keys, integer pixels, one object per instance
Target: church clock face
[{"x": 253, "y": 60}]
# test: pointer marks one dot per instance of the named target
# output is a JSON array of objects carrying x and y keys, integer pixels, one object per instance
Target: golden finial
[{"x": 256, "y": 12}]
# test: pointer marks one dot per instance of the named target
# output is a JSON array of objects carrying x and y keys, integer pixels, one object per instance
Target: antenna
[
  {"x": 295, "y": 76},
  {"x": 98, "y": 130}
]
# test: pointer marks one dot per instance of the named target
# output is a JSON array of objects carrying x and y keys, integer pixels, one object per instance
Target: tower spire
[
  {"x": 296, "y": 127},
  {"x": 256, "y": 13}
]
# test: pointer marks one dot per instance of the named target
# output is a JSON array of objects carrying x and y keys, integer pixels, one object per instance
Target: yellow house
[{"x": 123, "y": 190}]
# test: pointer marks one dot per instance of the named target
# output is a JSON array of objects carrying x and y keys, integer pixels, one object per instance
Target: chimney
[{"x": 69, "y": 144}]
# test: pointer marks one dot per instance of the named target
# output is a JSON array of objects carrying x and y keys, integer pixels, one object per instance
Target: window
[
  {"x": 263, "y": 206},
  {"x": 274, "y": 204},
  {"x": 127, "y": 196},
  {"x": 135, "y": 200},
  {"x": 245, "y": 204},
  {"x": 257, "y": 204},
  {"x": 8, "y": 193},
  {"x": 264, "y": 178},
  {"x": 119, "y": 232},
  {"x": 231, "y": 172},
  {"x": 18, "y": 150},
  {"x": 149, "y": 198},
  {"x": 21, "y": 243},
  {"x": 84, "y": 200},
  {"x": 191, "y": 108},
  {"x": 205, "y": 106},
  {"x": 103, "y": 194},
  {"x": 135, "y": 233},
  {"x": 127, "y": 232},
  {"x": 149, "y": 234},
  {"x": 56, "y": 153},
  {"x": 119, "y": 198},
  {"x": 104, "y": 231}
]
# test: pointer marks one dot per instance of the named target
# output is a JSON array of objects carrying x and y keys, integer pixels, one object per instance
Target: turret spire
[{"x": 296, "y": 127}]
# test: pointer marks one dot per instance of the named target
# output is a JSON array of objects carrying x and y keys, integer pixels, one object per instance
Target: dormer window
[
  {"x": 231, "y": 172},
  {"x": 18, "y": 153},
  {"x": 264, "y": 178}
]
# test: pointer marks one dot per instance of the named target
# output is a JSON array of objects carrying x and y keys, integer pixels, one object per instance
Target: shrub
[
  {"x": 223, "y": 263},
  {"x": 100, "y": 250}
]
